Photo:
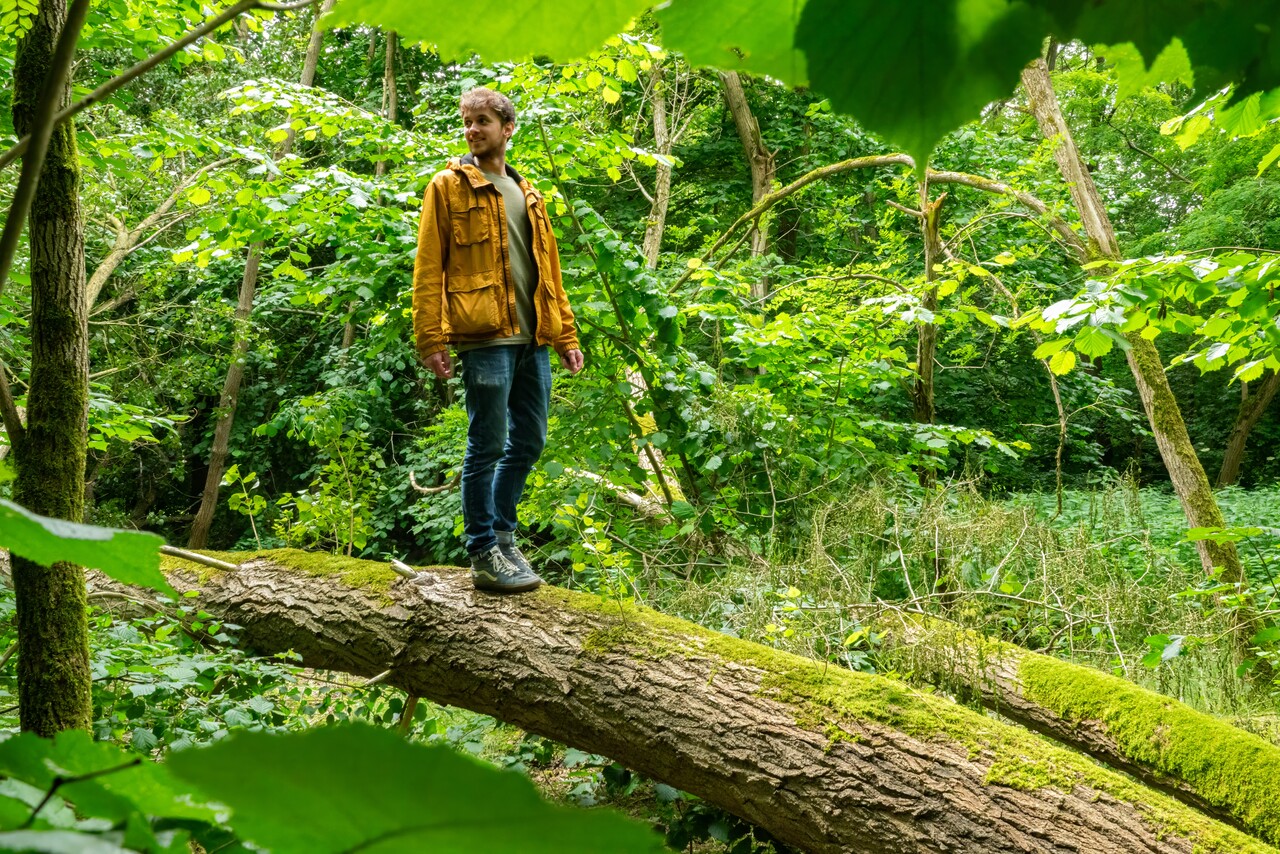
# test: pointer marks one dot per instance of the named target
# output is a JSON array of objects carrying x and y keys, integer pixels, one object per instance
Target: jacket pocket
[
  {"x": 473, "y": 306},
  {"x": 474, "y": 246}
]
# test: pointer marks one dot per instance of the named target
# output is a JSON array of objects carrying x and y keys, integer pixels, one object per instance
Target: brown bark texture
[
  {"x": 53, "y": 657},
  {"x": 1167, "y": 425},
  {"x": 1252, "y": 406},
  {"x": 1201, "y": 760},
  {"x": 760, "y": 158},
  {"x": 221, "y": 447},
  {"x": 825, "y": 759}
]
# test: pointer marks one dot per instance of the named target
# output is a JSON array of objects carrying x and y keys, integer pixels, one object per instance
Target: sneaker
[
  {"x": 492, "y": 571},
  {"x": 507, "y": 542}
]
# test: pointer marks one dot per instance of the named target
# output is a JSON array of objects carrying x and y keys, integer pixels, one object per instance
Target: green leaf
[
  {"x": 199, "y": 196},
  {"x": 1048, "y": 348},
  {"x": 748, "y": 35},
  {"x": 132, "y": 785},
  {"x": 914, "y": 70},
  {"x": 130, "y": 557},
  {"x": 294, "y": 793},
  {"x": 1062, "y": 362},
  {"x": 1266, "y": 637},
  {"x": 56, "y": 842},
  {"x": 1132, "y": 74},
  {"x": 1093, "y": 342},
  {"x": 512, "y": 30},
  {"x": 1271, "y": 156}
]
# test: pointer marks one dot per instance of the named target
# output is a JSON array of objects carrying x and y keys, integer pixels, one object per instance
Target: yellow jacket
[{"x": 463, "y": 290}]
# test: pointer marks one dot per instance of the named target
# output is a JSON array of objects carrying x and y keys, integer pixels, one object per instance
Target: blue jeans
[{"x": 508, "y": 390}]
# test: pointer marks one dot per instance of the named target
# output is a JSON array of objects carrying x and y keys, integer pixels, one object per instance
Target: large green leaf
[
  {"x": 115, "y": 785},
  {"x": 346, "y": 788},
  {"x": 497, "y": 30},
  {"x": 748, "y": 35},
  {"x": 914, "y": 70},
  {"x": 131, "y": 557}
]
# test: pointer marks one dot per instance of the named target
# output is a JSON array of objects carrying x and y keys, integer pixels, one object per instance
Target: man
[{"x": 487, "y": 281}]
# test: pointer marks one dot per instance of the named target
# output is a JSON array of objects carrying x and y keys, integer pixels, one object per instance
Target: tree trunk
[
  {"x": 825, "y": 759},
  {"x": 1167, "y": 425},
  {"x": 199, "y": 537},
  {"x": 1252, "y": 406},
  {"x": 1201, "y": 760},
  {"x": 388, "y": 94},
  {"x": 53, "y": 656},
  {"x": 762, "y": 164},
  {"x": 657, "y": 221}
]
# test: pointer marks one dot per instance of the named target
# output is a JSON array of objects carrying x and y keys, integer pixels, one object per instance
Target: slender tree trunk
[
  {"x": 1167, "y": 425},
  {"x": 1252, "y": 406},
  {"x": 761, "y": 159},
  {"x": 53, "y": 653},
  {"x": 825, "y": 759},
  {"x": 199, "y": 537},
  {"x": 922, "y": 391},
  {"x": 657, "y": 222},
  {"x": 388, "y": 94}
]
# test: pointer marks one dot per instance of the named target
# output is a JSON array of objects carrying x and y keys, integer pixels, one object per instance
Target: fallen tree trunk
[
  {"x": 1197, "y": 758},
  {"x": 823, "y": 758}
]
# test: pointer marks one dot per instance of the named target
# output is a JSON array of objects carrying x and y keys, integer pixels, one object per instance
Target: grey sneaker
[
  {"x": 507, "y": 542},
  {"x": 492, "y": 571}
]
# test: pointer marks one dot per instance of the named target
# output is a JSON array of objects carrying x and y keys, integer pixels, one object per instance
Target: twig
[
  {"x": 434, "y": 490},
  {"x": 196, "y": 557},
  {"x": 403, "y": 569},
  {"x": 43, "y": 123},
  {"x": 381, "y": 677},
  {"x": 8, "y": 654},
  {"x": 406, "y": 715}
]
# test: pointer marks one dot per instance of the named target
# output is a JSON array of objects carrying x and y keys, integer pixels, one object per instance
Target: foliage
[{"x": 127, "y": 556}]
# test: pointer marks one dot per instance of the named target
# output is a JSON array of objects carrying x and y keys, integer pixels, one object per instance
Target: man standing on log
[{"x": 487, "y": 281}]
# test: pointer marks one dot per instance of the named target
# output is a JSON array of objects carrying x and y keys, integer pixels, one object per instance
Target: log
[
  {"x": 1197, "y": 758},
  {"x": 823, "y": 758}
]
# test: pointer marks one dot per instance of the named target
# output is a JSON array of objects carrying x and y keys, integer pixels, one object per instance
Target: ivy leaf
[
  {"x": 914, "y": 70},
  {"x": 748, "y": 35},
  {"x": 512, "y": 29},
  {"x": 294, "y": 793},
  {"x": 130, "y": 557}
]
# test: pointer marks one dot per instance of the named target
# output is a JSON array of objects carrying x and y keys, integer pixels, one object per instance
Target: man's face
[{"x": 486, "y": 134}]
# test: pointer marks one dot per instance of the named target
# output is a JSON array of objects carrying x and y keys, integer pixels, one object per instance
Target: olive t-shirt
[{"x": 520, "y": 256}]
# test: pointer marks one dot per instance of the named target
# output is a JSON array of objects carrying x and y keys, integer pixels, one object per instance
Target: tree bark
[
  {"x": 1252, "y": 406},
  {"x": 389, "y": 102},
  {"x": 763, "y": 167},
  {"x": 1167, "y": 425},
  {"x": 227, "y": 401},
  {"x": 53, "y": 657},
  {"x": 657, "y": 221},
  {"x": 1201, "y": 760},
  {"x": 825, "y": 759}
]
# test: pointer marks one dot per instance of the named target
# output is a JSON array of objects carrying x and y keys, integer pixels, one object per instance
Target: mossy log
[
  {"x": 825, "y": 759},
  {"x": 1199, "y": 759}
]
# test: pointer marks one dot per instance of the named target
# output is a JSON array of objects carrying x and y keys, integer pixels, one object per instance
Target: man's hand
[
  {"x": 572, "y": 360},
  {"x": 442, "y": 366}
]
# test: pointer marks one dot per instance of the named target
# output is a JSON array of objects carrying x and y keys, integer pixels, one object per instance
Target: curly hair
[{"x": 487, "y": 99}]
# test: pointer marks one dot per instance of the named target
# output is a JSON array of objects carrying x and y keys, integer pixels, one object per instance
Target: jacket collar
[{"x": 477, "y": 177}]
